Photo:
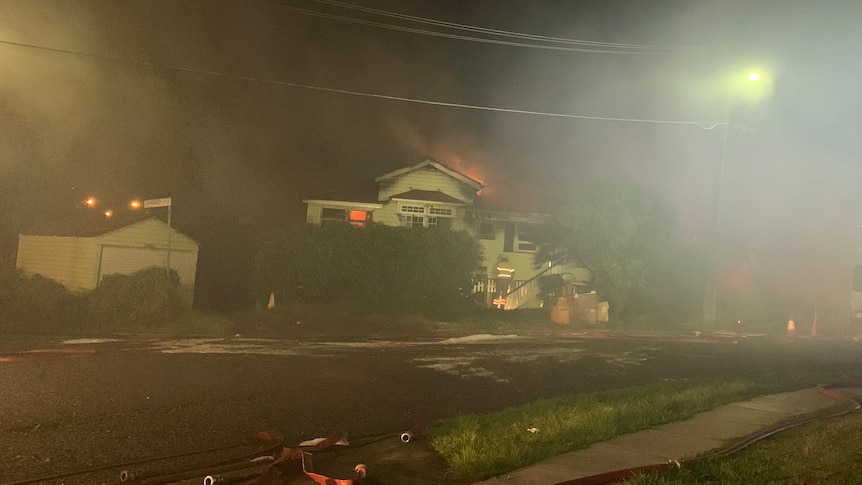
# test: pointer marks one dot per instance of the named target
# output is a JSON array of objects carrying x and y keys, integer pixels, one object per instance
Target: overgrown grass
[
  {"x": 481, "y": 446},
  {"x": 828, "y": 451}
]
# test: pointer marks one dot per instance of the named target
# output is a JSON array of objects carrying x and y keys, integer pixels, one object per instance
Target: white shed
[{"x": 80, "y": 255}]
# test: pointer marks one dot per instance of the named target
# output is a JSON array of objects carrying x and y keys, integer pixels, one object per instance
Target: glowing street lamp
[
  {"x": 109, "y": 213},
  {"x": 135, "y": 204},
  {"x": 90, "y": 202},
  {"x": 753, "y": 87}
]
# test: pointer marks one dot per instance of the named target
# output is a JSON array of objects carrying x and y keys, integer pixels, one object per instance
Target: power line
[
  {"x": 239, "y": 77},
  {"x": 503, "y": 33},
  {"x": 433, "y": 33}
]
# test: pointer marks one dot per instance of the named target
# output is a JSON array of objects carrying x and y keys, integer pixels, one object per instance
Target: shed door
[{"x": 123, "y": 260}]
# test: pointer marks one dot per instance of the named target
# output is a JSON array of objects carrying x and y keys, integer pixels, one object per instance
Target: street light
[{"x": 735, "y": 91}]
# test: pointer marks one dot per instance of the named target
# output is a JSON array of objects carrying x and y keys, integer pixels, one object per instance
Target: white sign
[{"x": 164, "y": 202}]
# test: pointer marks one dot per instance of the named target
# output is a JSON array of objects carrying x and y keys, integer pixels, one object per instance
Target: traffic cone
[{"x": 791, "y": 326}]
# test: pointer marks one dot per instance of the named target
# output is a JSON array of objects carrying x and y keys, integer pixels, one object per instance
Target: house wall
[
  {"x": 312, "y": 213},
  {"x": 492, "y": 251},
  {"x": 426, "y": 178},
  {"x": 71, "y": 261}
]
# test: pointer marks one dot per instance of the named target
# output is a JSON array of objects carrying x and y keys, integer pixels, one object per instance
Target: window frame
[{"x": 324, "y": 218}]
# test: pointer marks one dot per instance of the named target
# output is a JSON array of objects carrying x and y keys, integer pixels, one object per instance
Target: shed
[{"x": 78, "y": 255}]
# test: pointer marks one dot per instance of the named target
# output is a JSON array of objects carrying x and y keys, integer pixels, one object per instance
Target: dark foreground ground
[{"x": 102, "y": 404}]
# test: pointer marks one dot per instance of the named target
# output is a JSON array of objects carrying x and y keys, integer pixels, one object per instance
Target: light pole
[{"x": 710, "y": 293}]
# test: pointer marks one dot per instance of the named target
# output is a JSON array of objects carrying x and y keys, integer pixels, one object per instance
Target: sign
[
  {"x": 163, "y": 202},
  {"x": 500, "y": 302}
]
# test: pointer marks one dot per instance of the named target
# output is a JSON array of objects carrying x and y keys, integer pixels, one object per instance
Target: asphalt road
[{"x": 134, "y": 399}]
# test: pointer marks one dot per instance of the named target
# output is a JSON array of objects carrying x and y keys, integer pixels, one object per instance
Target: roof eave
[{"x": 344, "y": 203}]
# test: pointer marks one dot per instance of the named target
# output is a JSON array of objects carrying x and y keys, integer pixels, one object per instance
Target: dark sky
[{"x": 138, "y": 113}]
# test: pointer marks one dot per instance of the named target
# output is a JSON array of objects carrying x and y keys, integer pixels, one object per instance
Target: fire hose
[
  {"x": 127, "y": 474},
  {"x": 616, "y": 476}
]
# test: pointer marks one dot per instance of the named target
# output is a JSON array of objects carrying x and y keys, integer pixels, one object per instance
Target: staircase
[{"x": 525, "y": 294}]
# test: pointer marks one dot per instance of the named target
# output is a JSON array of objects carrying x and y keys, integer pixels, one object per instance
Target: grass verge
[
  {"x": 481, "y": 446},
  {"x": 828, "y": 451}
]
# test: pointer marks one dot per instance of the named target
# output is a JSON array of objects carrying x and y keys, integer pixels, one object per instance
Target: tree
[{"x": 616, "y": 230}]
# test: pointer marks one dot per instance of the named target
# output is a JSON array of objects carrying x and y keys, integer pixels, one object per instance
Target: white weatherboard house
[
  {"x": 78, "y": 255},
  {"x": 431, "y": 195}
]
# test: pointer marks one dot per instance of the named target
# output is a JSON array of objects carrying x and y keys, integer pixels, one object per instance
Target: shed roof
[
  {"x": 94, "y": 225},
  {"x": 85, "y": 225}
]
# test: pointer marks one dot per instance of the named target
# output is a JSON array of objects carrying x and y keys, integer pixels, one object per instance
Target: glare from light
[
  {"x": 135, "y": 204},
  {"x": 754, "y": 76},
  {"x": 109, "y": 213},
  {"x": 91, "y": 201}
]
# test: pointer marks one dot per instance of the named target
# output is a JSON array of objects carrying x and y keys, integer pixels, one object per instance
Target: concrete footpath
[{"x": 704, "y": 432}]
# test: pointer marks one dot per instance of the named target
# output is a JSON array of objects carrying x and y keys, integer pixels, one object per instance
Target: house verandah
[{"x": 505, "y": 221}]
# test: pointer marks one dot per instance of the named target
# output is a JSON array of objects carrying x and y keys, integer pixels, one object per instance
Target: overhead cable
[
  {"x": 434, "y": 33},
  {"x": 502, "y": 33},
  {"x": 239, "y": 77}
]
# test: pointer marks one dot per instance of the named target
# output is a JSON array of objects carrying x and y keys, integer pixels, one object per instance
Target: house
[
  {"x": 79, "y": 252},
  {"x": 504, "y": 217}
]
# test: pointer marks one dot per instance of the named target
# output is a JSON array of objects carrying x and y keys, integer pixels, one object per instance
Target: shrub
[
  {"x": 35, "y": 304},
  {"x": 142, "y": 301},
  {"x": 376, "y": 268}
]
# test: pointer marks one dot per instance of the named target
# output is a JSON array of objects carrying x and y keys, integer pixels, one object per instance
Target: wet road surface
[{"x": 115, "y": 401}]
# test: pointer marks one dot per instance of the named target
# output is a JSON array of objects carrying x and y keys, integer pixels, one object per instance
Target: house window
[
  {"x": 526, "y": 238},
  {"x": 410, "y": 220},
  {"x": 509, "y": 237},
  {"x": 413, "y": 209},
  {"x": 492, "y": 285},
  {"x": 487, "y": 230},
  {"x": 358, "y": 218},
  {"x": 329, "y": 214},
  {"x": 439, "y": 222},
  {"x": 440, "y": 211}
]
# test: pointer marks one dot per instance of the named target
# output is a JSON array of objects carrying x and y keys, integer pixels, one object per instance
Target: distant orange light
[
  {"x": 109, "y": 213},
  {"x": 135, "y": 204},
  {"x": 91, "y": 201}
]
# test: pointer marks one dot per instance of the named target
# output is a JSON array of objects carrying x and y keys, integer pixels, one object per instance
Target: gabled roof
[
  {"x": 95, "y": 225},
  {"x": 428, "y": 196},
  {"x": 432, "y": 163},
  {"x": 88, "y": 224}
]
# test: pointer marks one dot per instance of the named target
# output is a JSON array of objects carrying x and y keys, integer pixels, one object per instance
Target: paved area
[{"x": 686, "y": 439}]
